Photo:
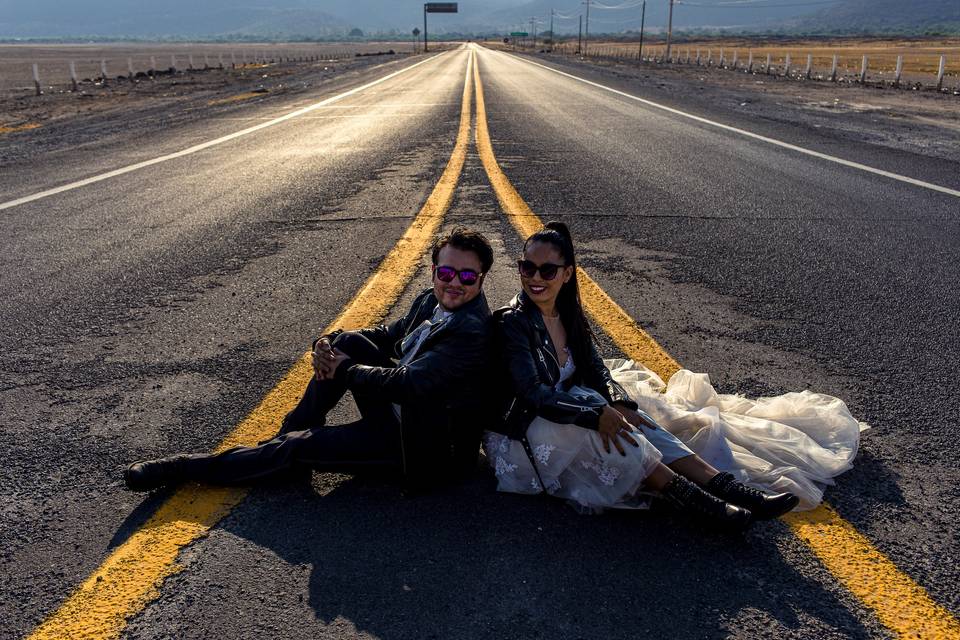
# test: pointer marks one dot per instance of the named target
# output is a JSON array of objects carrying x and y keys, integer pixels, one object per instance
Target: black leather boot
[
  {"x": 763, "y": 506},
  {"x": 153, "y": 474},
  {"x": 695, "y": 501}
]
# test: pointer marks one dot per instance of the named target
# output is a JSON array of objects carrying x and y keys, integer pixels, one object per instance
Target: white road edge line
[
  {"x": 755, "y": 136},
  {"x": 204, "y": 145}
]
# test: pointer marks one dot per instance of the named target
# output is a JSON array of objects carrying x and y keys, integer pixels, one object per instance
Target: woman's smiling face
[{"x": 541, "y": 291}]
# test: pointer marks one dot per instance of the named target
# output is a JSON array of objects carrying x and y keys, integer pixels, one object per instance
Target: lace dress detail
[{"x": 572, "y": 463}]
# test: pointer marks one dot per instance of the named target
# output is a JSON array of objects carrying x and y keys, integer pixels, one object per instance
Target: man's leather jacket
[
  {"x": 528, "y": 370},
  {"x": 442, "y": 392}
]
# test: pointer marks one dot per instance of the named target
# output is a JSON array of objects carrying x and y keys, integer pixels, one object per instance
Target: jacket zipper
[{"x": 581, "y": 408}]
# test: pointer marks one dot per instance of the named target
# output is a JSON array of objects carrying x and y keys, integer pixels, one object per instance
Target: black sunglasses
[
  {"x": 468, "y": 277},
  {"x": 548, "y": 270}
]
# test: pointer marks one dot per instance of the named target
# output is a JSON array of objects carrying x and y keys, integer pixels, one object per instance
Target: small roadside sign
[{"x": 519, "y": 34}]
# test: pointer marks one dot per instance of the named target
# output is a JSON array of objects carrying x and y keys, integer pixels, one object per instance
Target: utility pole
[
  {"x": 643, "y": 15},
  {"x": 580, "y": 37},
  {"x": 533, "y": 30},
  {"x": 553, "y": 38},
  {"x": 586, "y": 32},
  {"x": 669, "y": 30},
  {"x": 425, "y": 28}
]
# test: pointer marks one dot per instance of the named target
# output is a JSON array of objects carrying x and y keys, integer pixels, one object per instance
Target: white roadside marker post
[
  {"x": 73, "y": 76},
  {"x": 190, "y": 61},
  {"x": 130, "y": 69},
  {"x": 768, "y": 64},
  {"x": 709, "y": 57},
  {"x": 206, "y": 61},
  {"x": 943, "y": 67},
  {"x": 733, "y": 64},
  {"x": 863, "y": 70},
  {"x": 233, "y": 60},
  {"x": 749, "y": 60},
  {"x": 698, "y": 57},
  {"x": 833, "y": 69},
  {"x": 899, "y": 72},
  {"x": 786, "y": 67},
  {"x": 220, "y": 60},
  {"x": 809, "y": 70},
  {"x": 153, "y": 68},
  {"x": 721, "y": 58},
  {"x": 36, "y": 79},
  {"x": 173, "y": 63},
  {"x": 103, "y": 70}
]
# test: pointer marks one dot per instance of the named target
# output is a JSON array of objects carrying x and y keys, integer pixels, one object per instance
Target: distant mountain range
[{"x": 290, "y": 19}]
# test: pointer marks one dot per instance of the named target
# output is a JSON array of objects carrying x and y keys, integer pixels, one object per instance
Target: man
[{"x": 418, "y": 383}]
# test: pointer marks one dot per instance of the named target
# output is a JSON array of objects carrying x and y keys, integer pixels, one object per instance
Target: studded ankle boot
[
  {"x": 694, "y": 501},
  {"x": 763, "y": 506}
]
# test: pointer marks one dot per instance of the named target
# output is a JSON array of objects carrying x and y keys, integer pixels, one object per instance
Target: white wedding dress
[{"x": 796, "y": 442}]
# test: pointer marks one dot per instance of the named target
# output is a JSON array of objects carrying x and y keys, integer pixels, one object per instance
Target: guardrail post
[
  {"x": 36, "y": 79},
  {"x": 943, "y": 67},
  {"x": 807, "y": 73},
  {"x": 768, "y": 64},
  {"x": 73, "y": 76},
  {"x": 833, "y": 69},
  {"x": 749, "y": 60},
  {"x": 863, "y": 70},
  {"x": 898, "y": 72}
]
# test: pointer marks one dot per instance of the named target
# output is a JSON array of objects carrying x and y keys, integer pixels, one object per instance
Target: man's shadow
[{"x": 467, "y": 562}]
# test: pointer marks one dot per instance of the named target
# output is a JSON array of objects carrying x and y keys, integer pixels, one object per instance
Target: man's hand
[
  {"x": 326, "y": 364},
  {"x": 323, "y": 354},
  {"x": 613, "y": 428},
  {"x": 635, "y": 418}
]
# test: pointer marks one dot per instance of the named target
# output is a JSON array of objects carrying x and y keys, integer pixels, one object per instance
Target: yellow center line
[
  {"x": 132, "y": 575},
  {"x": 900, "y": 603}
]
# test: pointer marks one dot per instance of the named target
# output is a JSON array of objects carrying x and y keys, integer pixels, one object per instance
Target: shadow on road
[{"x": 470, "y": 563}]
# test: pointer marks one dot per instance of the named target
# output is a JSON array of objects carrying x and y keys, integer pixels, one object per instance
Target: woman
[{"x": 562, "y": 411}]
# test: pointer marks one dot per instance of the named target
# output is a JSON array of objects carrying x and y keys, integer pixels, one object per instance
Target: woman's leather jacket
[{"x": 527, "y": 371}]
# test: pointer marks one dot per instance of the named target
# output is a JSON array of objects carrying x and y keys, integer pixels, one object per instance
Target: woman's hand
[
  {"x": 635, "y": 418},
  {"x": 613, "y": 427}
]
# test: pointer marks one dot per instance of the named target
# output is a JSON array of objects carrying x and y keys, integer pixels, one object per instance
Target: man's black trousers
[{"x": 370, "y": 445}]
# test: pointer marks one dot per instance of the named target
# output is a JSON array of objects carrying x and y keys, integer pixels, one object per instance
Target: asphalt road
[{"x": 149, "y": 313}]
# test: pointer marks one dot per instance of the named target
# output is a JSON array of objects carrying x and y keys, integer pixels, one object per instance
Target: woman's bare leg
[
  {"x": 661, "y": 477},
  {"x": 694, "y": 468}
]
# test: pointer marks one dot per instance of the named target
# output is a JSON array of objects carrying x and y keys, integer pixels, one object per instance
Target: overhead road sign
[{"x": 435, "y": 7}]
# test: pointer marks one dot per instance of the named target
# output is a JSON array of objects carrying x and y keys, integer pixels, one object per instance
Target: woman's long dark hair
[{"x": 579, "y": 333}]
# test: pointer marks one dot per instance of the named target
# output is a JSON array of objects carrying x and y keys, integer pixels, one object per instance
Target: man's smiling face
[{"x": 454, "y": 294}]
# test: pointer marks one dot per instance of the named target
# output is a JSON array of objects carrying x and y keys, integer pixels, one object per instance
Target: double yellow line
[
  {"x": 899, "y": 603},
  {"x": 134, "y": 573}
]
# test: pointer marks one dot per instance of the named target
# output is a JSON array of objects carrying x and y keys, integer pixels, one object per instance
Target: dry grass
[
  {"x": 53, "y": 60},
  {"x": 921, "y": 58}
]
